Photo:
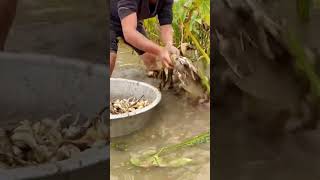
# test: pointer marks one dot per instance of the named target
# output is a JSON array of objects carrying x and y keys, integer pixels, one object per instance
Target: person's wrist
[
  {"x": 168, "y": 44},
  {"x": 168, "y": 47},
  {"x": 160, "y": 51}
]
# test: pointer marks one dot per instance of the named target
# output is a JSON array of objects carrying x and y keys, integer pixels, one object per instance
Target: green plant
[
  {"x": 296, "y": 48},
  {"x": 154, "y": 158},
  {"x": 152, "y": 28}
]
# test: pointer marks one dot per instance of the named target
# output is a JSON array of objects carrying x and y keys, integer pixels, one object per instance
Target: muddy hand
[
  {"x": 172, "y": 49},
  {"x": 165, "y": 58}
]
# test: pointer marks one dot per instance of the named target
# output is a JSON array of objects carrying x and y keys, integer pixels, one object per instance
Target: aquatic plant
[{"x": 153, "y": 158}]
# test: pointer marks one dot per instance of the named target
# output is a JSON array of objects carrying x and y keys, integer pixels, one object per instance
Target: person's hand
[
  {"x": 165, "y": 58},
  {"x": 172, "y": 49}
]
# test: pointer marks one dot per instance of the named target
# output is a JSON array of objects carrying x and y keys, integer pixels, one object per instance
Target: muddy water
[
  {"x": 176, "y": 121},
  {"x": 67, "y": 28}
]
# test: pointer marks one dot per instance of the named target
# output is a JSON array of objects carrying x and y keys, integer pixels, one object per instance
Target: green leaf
[
  {"x": 151, "y": 159},
  {"x": 144, "y": 163},
  {"x": 119, "y": 146}
]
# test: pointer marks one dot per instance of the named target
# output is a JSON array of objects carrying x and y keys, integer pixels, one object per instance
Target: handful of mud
[
  {"x": 120, "y": 106},
  {"x": 48, "y": 140}
]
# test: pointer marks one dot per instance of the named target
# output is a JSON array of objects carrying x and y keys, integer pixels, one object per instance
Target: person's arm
[
  {"x": 166, "y": 34},
  {"x": 127, "y": 12},
  {"x": 165, "y": 18},
  {"x": 135, "y": 38}
]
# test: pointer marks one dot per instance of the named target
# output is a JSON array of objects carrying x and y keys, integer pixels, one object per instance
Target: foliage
[
  {"x": 188, "y": 20},
  {"x": 296, "y": 48},
  {"x": 152, "y": 28},
  {"x": 301, "y": 63}
]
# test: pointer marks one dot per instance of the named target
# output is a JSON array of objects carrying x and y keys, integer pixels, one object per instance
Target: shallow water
[
  {"x": 67, "y": 28},
  {"x": 177, "y": 120}
]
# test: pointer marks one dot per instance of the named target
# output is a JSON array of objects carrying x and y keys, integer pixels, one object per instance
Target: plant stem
[
  {"x": 301, "y": 63},
  {"x": 199, "y": 139},
  {"x": 195, "y": 41}
]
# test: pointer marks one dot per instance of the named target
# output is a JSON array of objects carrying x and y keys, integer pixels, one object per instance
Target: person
[
  {"x": 7, "y": 14},
  {"x": 127, "y": 22}
]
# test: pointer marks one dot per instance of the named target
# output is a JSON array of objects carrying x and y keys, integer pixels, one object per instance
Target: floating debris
[
  {"x": 120, "y": 106},
  {"x": 154, "y": 158},
  {"x": 120, "y": 146},
  {"x": 49, "y": 140}
]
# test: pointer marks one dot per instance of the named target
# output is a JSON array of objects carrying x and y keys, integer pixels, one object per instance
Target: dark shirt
[{"x": 122, "y": 8}]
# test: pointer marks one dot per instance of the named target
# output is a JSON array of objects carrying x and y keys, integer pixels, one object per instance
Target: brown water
[
  {"x": 67, "y": 28},
  {"x": 177, "y": 120}
]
